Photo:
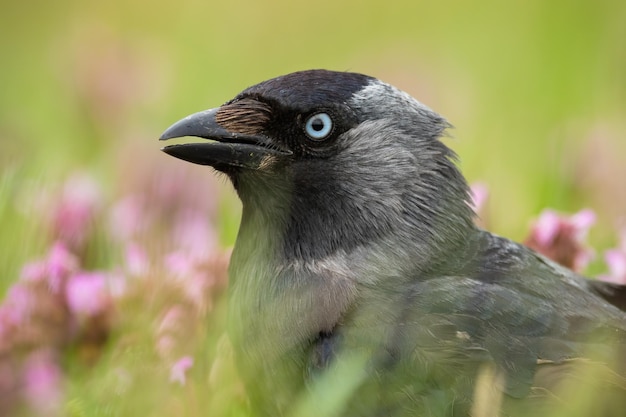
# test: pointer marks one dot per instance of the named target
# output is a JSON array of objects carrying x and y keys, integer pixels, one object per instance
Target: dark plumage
[{"x": 357, "y": 246}]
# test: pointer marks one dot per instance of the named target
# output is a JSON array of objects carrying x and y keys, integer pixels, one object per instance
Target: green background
[{"x": 533, "y": 88}]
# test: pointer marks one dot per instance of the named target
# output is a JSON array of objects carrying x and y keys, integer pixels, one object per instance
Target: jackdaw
[{"x": 358, "y": 251}]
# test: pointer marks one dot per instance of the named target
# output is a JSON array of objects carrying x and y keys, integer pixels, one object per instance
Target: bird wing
[
  {"x": 539, "y": 325},
  {"x": 613, "y": 293},
  {"x": 527, "y": 315}
]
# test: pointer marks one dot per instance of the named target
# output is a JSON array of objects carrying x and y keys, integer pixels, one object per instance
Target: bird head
[{"x": 335, "y": 160}]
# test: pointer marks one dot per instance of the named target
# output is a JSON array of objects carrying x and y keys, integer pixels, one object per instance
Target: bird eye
[{"x": 318, "y": 126}]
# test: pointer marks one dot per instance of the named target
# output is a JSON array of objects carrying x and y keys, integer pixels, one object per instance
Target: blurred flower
[
  {"x": 156, "y": 190},
  {"x": 161, "y": 218},
  {"x": 128, "y": 218},
  {"x": 178, "y": 371},
  {"x": 616, "y": 261},
  {"x": 34, "y": 313},
  {"x": 56, "y": 304},
  {"x": 194, "y": 234},
  {"x": 32, "y": 316},
  {"x": 179, "y": 263},
  {"x": 42, "y": 383},
  {"x": 162, "y": 206},
  {"x": 34, "y": 271},
  {"x": 137, "y": 262},
  {"x": 199, "y": 279},
  {"x": 66, "y": 213},
  {"x": 18, "y": 306},
  {"x": 87, "y": 294},
  {"x": 73, "y": 215},
  {"x": 90, "y": 304},
  {"x": 175, "y": 331},
  {"x": 562, "y": 238},
  {"x": 55, "y": 269},
  {"x": 480, "y": 194}
]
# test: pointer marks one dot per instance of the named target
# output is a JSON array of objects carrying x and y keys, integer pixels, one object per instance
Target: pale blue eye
[{"x": 318, "y": 126}]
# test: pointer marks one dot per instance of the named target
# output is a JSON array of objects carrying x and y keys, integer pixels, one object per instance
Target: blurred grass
[{"x": 535, "y": 89}]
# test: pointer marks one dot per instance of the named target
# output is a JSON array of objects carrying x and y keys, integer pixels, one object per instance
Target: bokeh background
[{"x": 536, "y": 91}]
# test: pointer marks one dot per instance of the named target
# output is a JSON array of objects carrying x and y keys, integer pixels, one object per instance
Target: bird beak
[{"x": 226, "y": 149}]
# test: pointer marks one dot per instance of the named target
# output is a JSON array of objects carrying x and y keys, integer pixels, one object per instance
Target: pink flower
[
  {"x": 173, "y": 319},
  {"x": 60, "y": 263},
  {"x": 42, "y": 379},
  {"x": 562, "y": 238},
  {"x": 480, "y": 194},
  {"x": 74, "y": 213},
  {"x": 178, "y": 371},
  {"x": 195, "y": 277},
  {"x": 55, "y": 269},
  {"x": 34, "y": 271},
  {"x": 179, "y": 263},
  {"x": 137, "y": 262},
  {"x": 87, "y": 294},
  {"x": 18, "y": 306},
  {"x": 616, "y": 261},
  {"x": 194, "y": 234},
  {"x": 172, "y": 331},
  {"x": 128, "y": 217}
]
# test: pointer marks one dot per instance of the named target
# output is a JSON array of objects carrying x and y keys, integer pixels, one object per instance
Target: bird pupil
[{"x": 317, "y": 125}]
